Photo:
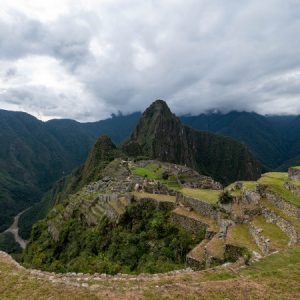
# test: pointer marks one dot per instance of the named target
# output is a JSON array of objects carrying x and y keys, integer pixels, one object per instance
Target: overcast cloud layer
[{"x": 87, "y": 59}]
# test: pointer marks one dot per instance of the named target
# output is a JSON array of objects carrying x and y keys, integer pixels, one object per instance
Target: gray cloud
[{"x": 87, "y": 61}]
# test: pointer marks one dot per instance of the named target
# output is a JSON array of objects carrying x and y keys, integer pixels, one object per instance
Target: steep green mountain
[
  {"x": 34, "y": 154},
  {"x": 263, "y": 137},
  {"x": 30, "y": 161},
  {"x": 161, "y": 135}
]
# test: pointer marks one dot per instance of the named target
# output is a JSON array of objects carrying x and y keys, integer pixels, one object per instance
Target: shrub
[{"x": 225, "y": 198}]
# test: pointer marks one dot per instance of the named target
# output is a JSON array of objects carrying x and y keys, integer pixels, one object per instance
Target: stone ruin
[{"x": 294, "y": 173}]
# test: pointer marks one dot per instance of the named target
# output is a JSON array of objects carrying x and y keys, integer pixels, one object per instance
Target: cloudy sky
[{"x": 90, "y": 58}]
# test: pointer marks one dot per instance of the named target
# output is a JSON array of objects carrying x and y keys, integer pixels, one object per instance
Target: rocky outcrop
[
  {"x": 284, "y": 225},
  {"x": 250, "y": 196},
  {"x": 294, "y": 173}
]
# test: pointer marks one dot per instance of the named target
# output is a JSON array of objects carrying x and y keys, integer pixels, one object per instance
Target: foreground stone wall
[
  {"x": 283, "y": 224},
  {"x": 288, "y": 208},
  {"x": 260, "y": 240},
  {"x": 198, "y": 206}
]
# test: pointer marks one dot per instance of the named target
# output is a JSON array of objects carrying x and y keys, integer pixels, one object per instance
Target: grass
[
  {"x": 275, "y": 181},
  {"x": 239, "y": 235},
  {"x": 274, "y": 277},
  {"x": 216, "y": 247},
  {"x": 206, "y": 195},
  {"x": 233, "y": 192},
  {"x": 295, "y": 183},
  {"x": 280, "y": 213},
  {"x": 155, "y": 172},
  {"x": 277, "y": 237},
  {"x": 249, "y": 185},
  {"x": 152, "y": 171},
  {"x": 296, "y": 167}
]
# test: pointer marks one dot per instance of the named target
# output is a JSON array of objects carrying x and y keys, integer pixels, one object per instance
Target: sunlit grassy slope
[
  {"x": 275, "y": 181},
  {"x": 274, "y": 277}
]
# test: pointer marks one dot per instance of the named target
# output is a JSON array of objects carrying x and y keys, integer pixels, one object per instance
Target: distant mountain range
[{"x": 34, "y": 154}]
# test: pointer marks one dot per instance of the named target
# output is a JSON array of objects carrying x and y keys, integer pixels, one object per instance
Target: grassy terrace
[
  {"x": 249, "y": 185},
  {"x": 239, "y": 235},
  {"x": 278, "y": 238},
  {"x": 234, "y": 193},
  {"x": 155, "y": 172},
  {"x": 295, "y": 183},
  {"x": 275, "y": 181},
  {"x": 159, "y": 197},
  {"x": 206, "y": 195},
  {"x": 296, "y": 168},
  {"x": 281, "y": 214},
  {"x": 216, "y": 247}
]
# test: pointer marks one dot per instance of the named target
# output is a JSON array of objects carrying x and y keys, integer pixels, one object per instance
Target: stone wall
[
  {"x": 250, "y": 197},
  {"x": 294, "y": 174},
  {"x": 260, "y": 240},
  {"x": 164, "y": 205},
  {"x": 197, "y": 205},
  {"x": 292, "y": 188},
  {"x": 288, "y": 208},
  {"x": 193, "y": 225},
  {"x": 194, "y": 263},
  {"x": 283, "y": 224}
]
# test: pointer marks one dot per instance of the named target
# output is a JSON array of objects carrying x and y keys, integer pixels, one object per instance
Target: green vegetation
[
  {"x": 206, "y": 195},
  {"x": 277, "y": 237},
  {"x": 8, "y": 244},
  {"x": 295, "y": 222},
  {"x": 296, "y": 167},
  {"x": 142, "y": 241},
  {"x": 239, "y": 235},
  {"x": 275, "y": 181},
  {"x": 225, "y": 197},
  {"x": 222, "y": 158},
  {"x": 37, "y": 212},
  {"x": 156, "y": 172},
  {"x": 250, "y": 185},
  {"x": 274, "y": 277}
]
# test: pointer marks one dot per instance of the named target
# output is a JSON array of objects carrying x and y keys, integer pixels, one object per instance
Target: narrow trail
[{"x": 14, "y": 229}]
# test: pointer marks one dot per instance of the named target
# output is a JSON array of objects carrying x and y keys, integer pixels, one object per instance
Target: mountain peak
[
  {"x": 158, "y": 107},
  {"x": 156, "y": 123},
  {"x": 161, "y": 135}
]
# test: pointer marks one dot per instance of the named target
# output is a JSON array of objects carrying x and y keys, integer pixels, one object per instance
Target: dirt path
[{"x": 14, "y": 229}]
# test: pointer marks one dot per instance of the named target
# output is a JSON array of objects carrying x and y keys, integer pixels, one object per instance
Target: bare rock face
[{"x": 294, "y": 173}]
